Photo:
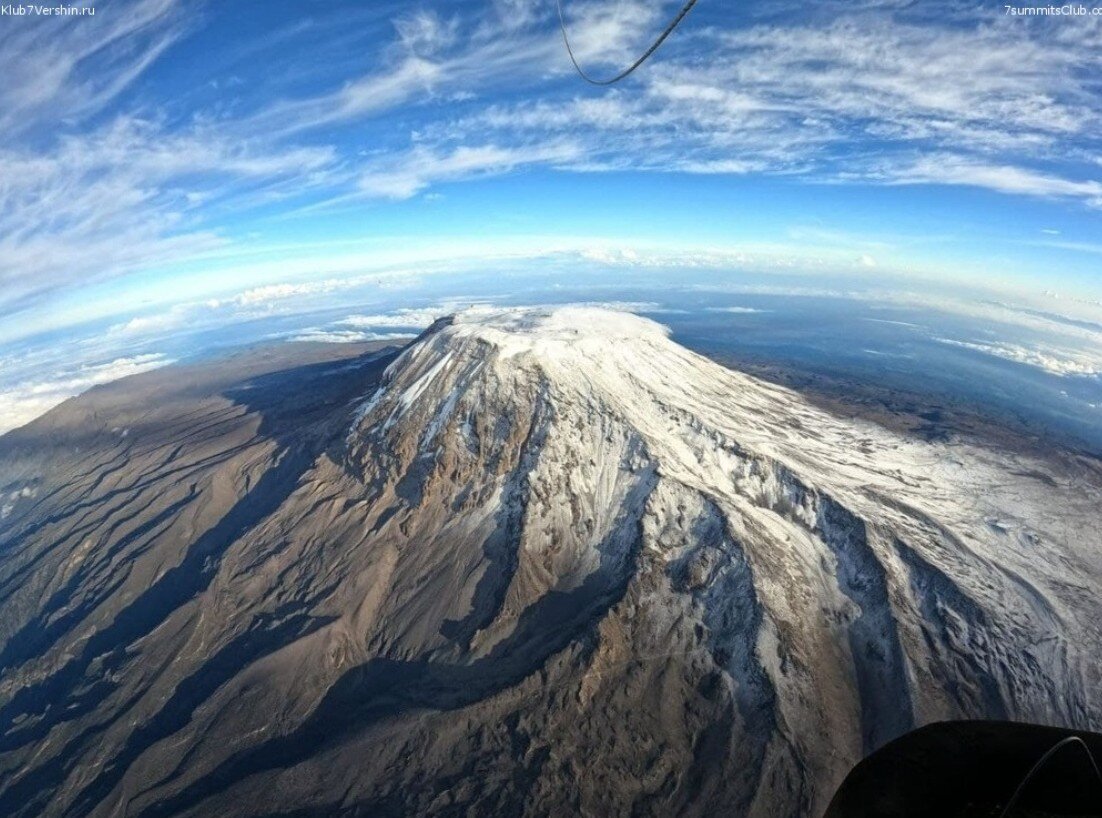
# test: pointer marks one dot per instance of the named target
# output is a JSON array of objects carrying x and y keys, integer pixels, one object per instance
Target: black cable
[
  {"x": 1044, "y": 760},
  {"x": 646, "y": 54}
]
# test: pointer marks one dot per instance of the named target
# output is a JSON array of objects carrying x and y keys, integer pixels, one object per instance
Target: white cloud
[
  {"x": 955, "y": 170},
  {"x": 424, "y": 32},
  {"x": 435, "y": 58},
  {"x": 64, "y": 67},
  {"x": 267, "y": 294},
  {"x": 109, "y": 202},
  {"x": 953, "y": 101},
  {"x": 421, "y": 318},
  {"x": 1061, "y": 362},
  {"x": 418, "y": 318},
  {"x": 971, "y": 80},
  {"x": 362, "y": 97},
  {"x": 177, "y": 316},
  {"x": 406, "y": 175},
  {"x": 345, "y": 336},
  {"x": 22, "y": 402},
  {"x": 762, "y": 257},
  {"x": 908, "y": 324},
  {"x": 893, "y": 94}
]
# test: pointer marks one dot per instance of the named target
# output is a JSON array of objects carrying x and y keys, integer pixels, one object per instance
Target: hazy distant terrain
[
  {"x": 1013, "y": 363},
  {"x": 547, "y": 562}
]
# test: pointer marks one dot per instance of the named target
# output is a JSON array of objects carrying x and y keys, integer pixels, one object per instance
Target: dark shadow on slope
[
  {"x": 61, "y": 696},
  {"x": 261, "y": 640},
  {"x": 297, "y": 413},
  {"x": 386, "y": 688},
  {"x": 733, "y": 615},
  {"x": 308, "y": 399},
  {"x": 885, "y": 694},
  {"x": 501, "y": 547},
  {"x": 151, "y": 608},
  {"x": 955, "y": 629},
  {"x": 36, "y": 637},
  {"x": 878, "y": 662}
]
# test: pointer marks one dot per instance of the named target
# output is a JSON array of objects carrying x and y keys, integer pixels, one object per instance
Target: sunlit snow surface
[{"x": 928, "y": 553}]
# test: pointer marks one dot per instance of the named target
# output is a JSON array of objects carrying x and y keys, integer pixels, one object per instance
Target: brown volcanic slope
[
  {"x": 126, "y": 509},
  {"x": 557, "y": 564}
]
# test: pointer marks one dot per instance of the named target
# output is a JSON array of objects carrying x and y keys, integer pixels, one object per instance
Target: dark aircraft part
[
  {"x": 642, "y": 59},
  {"x": 969, "y": 769}
]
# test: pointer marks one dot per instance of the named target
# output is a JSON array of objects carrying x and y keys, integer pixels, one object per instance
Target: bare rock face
[{"x": 547, "y": 563}]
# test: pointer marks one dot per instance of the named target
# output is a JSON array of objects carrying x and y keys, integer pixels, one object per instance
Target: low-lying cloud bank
[{"x": 22, "y": 402}]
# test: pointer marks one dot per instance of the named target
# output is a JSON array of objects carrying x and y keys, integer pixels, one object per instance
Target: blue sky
[{"x": 160, "y": 159}]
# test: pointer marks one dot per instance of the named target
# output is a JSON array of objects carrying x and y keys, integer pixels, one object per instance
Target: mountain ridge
[{"x": 612, "y": 573}]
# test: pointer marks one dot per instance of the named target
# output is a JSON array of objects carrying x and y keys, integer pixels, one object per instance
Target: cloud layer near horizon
[{"x": 107, "y": 172}]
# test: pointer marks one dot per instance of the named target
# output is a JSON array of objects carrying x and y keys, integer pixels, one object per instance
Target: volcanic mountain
[{"x": 546, "y": 562}]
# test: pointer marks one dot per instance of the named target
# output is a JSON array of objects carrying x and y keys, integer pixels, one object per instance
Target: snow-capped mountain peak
[
  {"x": 618, "y": 576},
  {"x": 841, "y": 573}
]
